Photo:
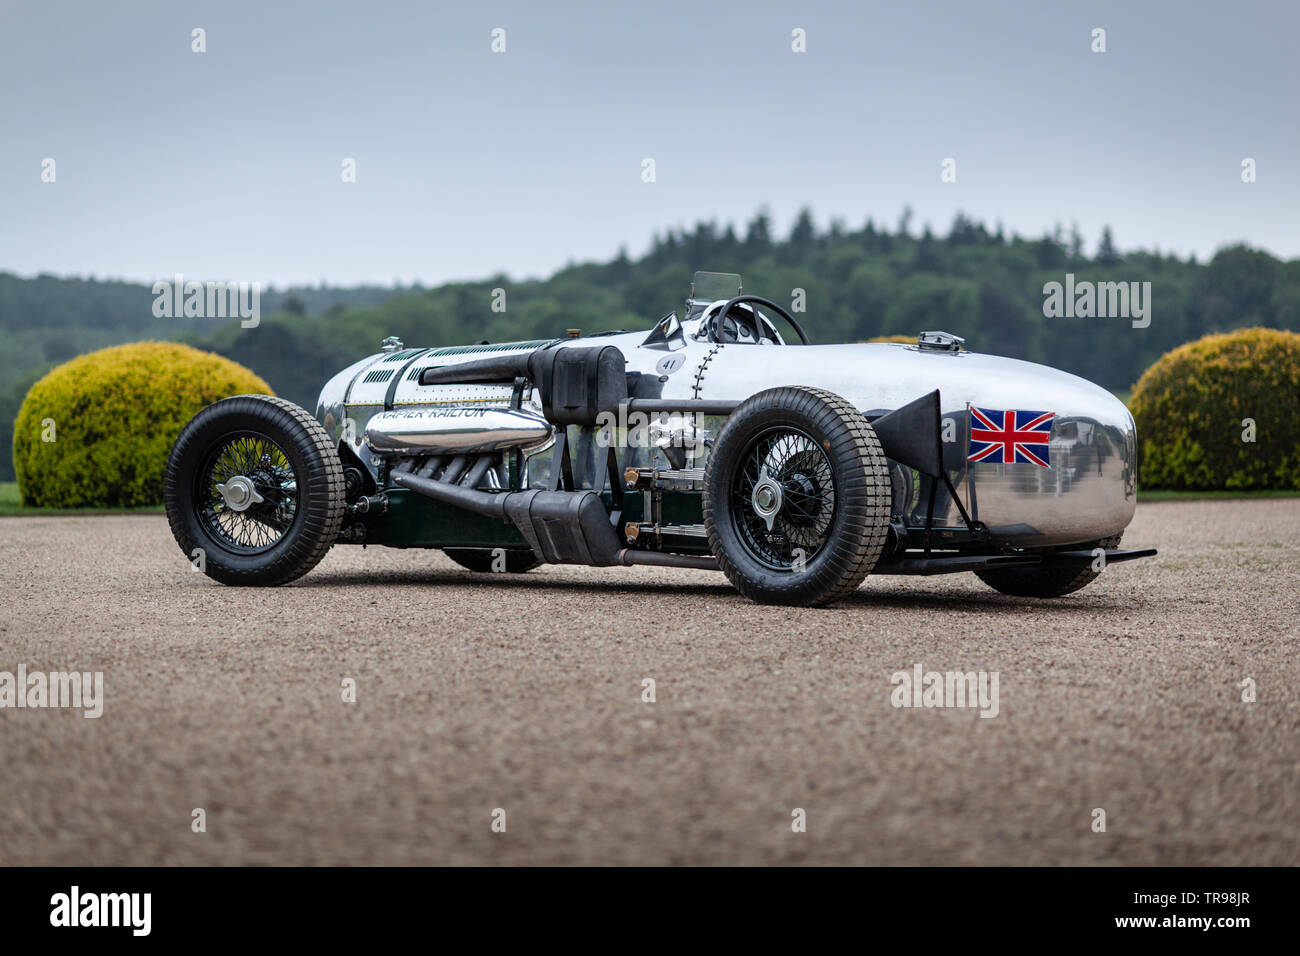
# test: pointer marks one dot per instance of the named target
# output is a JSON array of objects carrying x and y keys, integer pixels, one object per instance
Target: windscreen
[{"x": 710, "y": 286}]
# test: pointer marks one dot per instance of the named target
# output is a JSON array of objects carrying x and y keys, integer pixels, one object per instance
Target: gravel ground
[{"x": 524, "y": 693}]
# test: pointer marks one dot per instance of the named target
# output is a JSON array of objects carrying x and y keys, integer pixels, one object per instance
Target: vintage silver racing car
[{"x": 708, "y": 441}]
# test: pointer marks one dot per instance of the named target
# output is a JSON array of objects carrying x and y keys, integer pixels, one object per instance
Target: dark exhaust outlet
[
  {"x": 563, "y": 527},
  {"x": 660, "y": 559}
]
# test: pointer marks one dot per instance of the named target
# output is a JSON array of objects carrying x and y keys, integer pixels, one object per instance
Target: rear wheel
[
  {"x": 254, "y": 491},
  {"x": 797, "y": 497},
  {"x": 1046, "y": 582},
  {"x": 517, "y": 560}
]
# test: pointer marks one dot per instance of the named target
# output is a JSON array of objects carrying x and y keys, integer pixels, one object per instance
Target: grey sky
[{"x": 226, "y": 164}]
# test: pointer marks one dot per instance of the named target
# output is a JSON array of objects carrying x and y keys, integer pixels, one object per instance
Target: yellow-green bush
[
  {"x": 95, "y": 431},
  {"x": 1191, "y": 409}
]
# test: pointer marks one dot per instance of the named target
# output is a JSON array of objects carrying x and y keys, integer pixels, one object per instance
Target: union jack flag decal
[{"x": 1010, "y": 436}]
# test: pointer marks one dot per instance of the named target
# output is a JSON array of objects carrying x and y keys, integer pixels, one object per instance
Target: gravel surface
[{"x": 478, "y": 692}]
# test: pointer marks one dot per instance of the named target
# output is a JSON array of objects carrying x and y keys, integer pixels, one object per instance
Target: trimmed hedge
[
  {"x": 1190, "y": 406},
  {"x": 115, "y": 414}
]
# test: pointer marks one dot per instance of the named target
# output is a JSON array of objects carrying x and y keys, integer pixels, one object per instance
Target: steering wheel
[{"x": 720, "y": 318}]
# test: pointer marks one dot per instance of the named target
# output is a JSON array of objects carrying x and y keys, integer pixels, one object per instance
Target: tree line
[{"x": 858, "y": 283}]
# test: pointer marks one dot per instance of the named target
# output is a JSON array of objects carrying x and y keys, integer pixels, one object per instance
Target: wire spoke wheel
[
  {"x": 785, "y": 495},
  {"x": 248, "y": 493},
  {"x": 254, "y": 484},
  {"x": 797, "y": 497}
]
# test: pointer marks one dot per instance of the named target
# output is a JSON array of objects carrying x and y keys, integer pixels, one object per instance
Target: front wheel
[
  {"x": 254, "y": 491},
  {"x": 797, "y": 497}
]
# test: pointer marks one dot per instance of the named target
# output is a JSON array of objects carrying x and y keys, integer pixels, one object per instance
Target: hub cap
[
  {"x": 239, "y": 493},
  {"x": 247, "y": 493},
  {"x": 767, "y": 499},
  {"x": 783, "y": 498}
]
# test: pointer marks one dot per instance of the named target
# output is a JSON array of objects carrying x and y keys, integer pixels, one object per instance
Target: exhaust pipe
[
  {"x": 479, "y": 502},
  {"x": 562, "y": 527},
  {"x": 662, "y": 559}
]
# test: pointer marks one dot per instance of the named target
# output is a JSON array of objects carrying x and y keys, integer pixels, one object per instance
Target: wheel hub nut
[
  {"x": 239, "y": 493},
  {"x": 767, "y": 499}
]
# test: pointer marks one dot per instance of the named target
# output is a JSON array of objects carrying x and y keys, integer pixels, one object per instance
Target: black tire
[
  {"x": 817, "y": 443},
  {"x": 291, "y": 465},
  {"x": 480, "y": 559},
  {"x": 1046, "y": 582}
]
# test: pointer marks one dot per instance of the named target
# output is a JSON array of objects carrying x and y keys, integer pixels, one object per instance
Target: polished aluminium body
[
  {"x": 1087, "y": 493},
  {"x": 705, "y": 442},
  {"x": 455, "y": 429}
]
